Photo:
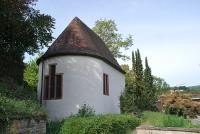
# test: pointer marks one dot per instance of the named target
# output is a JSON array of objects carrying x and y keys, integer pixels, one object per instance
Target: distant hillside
[{"x": 197, "y": 87}]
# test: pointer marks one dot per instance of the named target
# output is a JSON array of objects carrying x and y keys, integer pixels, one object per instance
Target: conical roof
[{"x": 79, "y": 39}]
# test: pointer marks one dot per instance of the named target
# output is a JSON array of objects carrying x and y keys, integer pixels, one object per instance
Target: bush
[
  {"x": 10, "y": 89},
  {"x": 104, "y": 124},
  {"x": 180, "y": 104},
  {"x": 11, "y": 109},
  {"x": 164, "y": 120},
  {"x": 18, "y": 102},
  {"x": 85, "y": 111}
]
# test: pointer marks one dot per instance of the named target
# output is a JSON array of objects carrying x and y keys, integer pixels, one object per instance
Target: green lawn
[{"x": 159, "y": 119}]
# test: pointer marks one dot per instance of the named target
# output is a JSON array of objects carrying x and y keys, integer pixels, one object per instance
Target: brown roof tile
[{"x": 79, "y": 39}]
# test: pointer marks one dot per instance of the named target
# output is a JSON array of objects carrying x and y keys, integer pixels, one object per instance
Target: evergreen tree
[
  {"x": 149, "y": 90},
  {"x": 138, "y": 66},
  {"x": 142, "y": 94},
  {"x": 133, "y": 61},
  {"x": 138, "y": 85}
]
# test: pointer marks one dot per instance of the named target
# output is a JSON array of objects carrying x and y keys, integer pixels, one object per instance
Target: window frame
[
  {"x": 61, "y": 86},
  {"x": 105, "y": 84},
  {"x": 45, "y": 91}
]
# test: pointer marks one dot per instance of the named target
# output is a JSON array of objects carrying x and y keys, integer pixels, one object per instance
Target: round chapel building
[{"x": 79, "y": 69}]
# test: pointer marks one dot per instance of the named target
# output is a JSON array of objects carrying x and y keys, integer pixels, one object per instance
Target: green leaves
[
  {"x": 19, "y": 109},
  {"x": 107, "y": 30},
  {"x": 140, "y": 93},
  {"x": 31, "y": 74},
  {"x": 17, "y": 102},
  {"x": 99, "y": 124},
  {"x": 85, "y": 111},
  {"x": 22, "y": 29}
]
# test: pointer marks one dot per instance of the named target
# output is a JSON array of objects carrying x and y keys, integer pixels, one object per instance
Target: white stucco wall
[{"x": 83, "y": 83}]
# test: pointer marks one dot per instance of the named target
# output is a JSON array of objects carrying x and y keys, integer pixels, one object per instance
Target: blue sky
[{"x": 166, "y": 31}]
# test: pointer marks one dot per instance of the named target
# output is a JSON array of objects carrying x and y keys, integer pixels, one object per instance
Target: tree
[
  {"x": 138, "y": 83},
  {"x": 107, "y": 30},
  {"x": 140, "y": 93},
  {"x": 22, "y": 29},
  {"x": 160, "y": 85},
  {"x": 126, "y": 98},
  {"x": 150, "y": 92},
  {"x": 31, "y": 73}
]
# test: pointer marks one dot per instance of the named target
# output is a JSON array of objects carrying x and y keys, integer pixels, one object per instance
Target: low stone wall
[
  {"x": 168, "y": 130},
  {"x": 28, "y": 126}
]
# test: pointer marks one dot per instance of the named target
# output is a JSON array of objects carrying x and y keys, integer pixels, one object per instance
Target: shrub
[
  {"x": 9, "y": 88},
  {"x": 17, "y": 102},
  {"x": 104, "y": 124},
  {"x": 19, "y": 109},
  {"x": 85, "y": 111},
  {"x": 158, "y": 119},
  {"x": 180, "y": 104}
]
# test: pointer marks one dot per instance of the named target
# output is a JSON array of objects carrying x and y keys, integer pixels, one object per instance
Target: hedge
[{"x": 104, "y": 124}]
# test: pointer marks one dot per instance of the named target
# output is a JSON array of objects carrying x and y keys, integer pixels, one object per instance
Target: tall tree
[
  {"x": 22, "y": 29},
  {"x": 133, "y": 61},
  {"x": 138, "y": 83},
  {"x": 149, "y": 90},
  {"x": 140, "y": 93},
  {"x": 107, "y": 30}
]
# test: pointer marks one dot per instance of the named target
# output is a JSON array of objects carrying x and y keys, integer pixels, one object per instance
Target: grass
[
  {"x": 158, "y": 119},
  {"x": 18, "y": 102}
]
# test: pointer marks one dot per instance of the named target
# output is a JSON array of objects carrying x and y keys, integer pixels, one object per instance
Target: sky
[{"x": 166, "y": 31}]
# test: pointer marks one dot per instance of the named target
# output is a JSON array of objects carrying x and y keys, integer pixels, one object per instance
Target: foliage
[
  {"x": 180, "y": 104},
  {"x": 54, "y": 127},
  {"x": 19, "y": 109},
  {"x": 126, "y": 102},
  {"x": 22, "y": 29},
  {"x": 158, "y": 119},
  {"x": 107, "y": 30},
  {"x": 10, "y": 89},
  {"x": 197, "y": 87},
  {"x": 190, "y": 89},
  {"x": 31, "y": 73},
  {"x": 160, "y": 85},
  {"x": 126, "y": 98},
  {"x": 149, "y": 89},
  {"x": 193, "y": 91},
  {"x": 85, "y": 111},
  {"x": 104, "y": 124},
  {"x": 129, "y": 76},
  {"x": 17, "y": 102},
  {"x": 140, "y": 93}
]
